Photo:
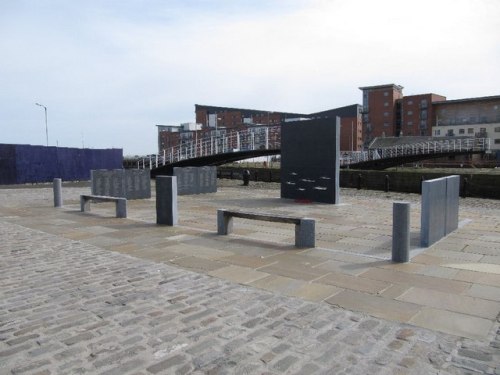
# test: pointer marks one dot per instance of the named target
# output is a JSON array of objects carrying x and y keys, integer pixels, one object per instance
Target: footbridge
[{"x": 226, "y": 146}]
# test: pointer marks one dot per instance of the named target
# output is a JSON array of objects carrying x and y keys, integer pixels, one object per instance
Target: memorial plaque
[
  {"x": 124, "y": 183},
  {"x": 196, "y": 180},
  {"x": 310, "y": 160}
]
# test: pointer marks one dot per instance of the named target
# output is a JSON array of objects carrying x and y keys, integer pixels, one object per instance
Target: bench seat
[
  {"x": 120, "y": 203},
  {"x": 304, "y": 227}
]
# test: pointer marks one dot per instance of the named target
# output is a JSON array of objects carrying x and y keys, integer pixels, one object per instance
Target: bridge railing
[
  {"x": 218, "y": 142},
  {"x": 422, "y": 148},
  {"x": 269, "y": 137}
]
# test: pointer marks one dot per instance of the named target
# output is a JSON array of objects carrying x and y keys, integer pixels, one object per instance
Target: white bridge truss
[{"x": 269, "y": 138}]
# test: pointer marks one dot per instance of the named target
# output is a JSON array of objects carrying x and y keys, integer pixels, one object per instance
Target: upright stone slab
[
  {"x": 433, "y": 212},
  {"x": 108, "y": 182},
  {"x": 166, "y": 200},
  {"x": 207, "y": 179},
  {"x": 137, "y": 183},
  {"x": 452, "y": 198},
  {"x": 123, "y": 183},
  {"x": 310, "y": 160},
  {"x": 196, "y": 180},
  {"x": 187, "y": 180}
]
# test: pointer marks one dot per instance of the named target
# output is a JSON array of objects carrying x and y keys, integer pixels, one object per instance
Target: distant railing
[
  {"x": 269, "y": 138},
  {"x": 421, "y": 148}
]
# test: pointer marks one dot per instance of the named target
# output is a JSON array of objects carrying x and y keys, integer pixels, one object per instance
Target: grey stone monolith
[
  {"x": 401, "y": 232},
  {"x": 166, "y": 200},
  {"x": 57, "y": 187}
]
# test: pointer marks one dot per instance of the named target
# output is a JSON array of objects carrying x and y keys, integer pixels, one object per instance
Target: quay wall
[{"x": 472, "y": 184}]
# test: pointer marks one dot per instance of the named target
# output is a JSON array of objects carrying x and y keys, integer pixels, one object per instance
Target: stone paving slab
[{"x": 69, "y": 298}]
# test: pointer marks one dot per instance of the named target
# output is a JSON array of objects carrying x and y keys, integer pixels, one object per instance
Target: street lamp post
[{"x": 46, "y": 126}]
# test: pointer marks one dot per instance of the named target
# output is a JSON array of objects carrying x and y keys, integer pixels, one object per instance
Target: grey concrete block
[
  {"x": 433, "y": 211},
  {"x": 84, "y": 204},
  {"x": 57, "y": 187},
  {"x": 224, "y": 223},
  {"x": 121, "y": 208},
  {"x": 440, "y": 198},
  {"x": 305, "y": 235},
  {"x": 166, "y": 200},
  {"x": 401, "y": 232}
]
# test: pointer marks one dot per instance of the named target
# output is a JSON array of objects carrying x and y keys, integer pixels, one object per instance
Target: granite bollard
[
  {"x": 57, "y": 187},
  {"x": 400, "y": 232},
  {"x": 166, "y": 200}
]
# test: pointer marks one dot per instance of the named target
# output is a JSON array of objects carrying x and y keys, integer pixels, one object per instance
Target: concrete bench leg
[
  {"x": 84, "y": 204},
  {"x": 224, "y": 223},
  {"x": 305, "y": 233},
  {"x": 121, "y": 208}
]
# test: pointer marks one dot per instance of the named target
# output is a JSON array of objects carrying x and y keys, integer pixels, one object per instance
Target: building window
[
  {"x": 470, "y": 131},
  {"x": 450, "y": 133},
  {"x": 386, "y": 93},
  {"x": 497, "y": 129},
  {"x": 410, "y": 123},
  {"x": 386, "y": 104},
  {"x": 497, "y": 141},
  {"x": 423, "y": 103},
  {"x": 410, "y": 113},
  {"x": 437, "y": 132},
  {"x": 461, "y": 131},
  {"x": 410, "y": 102},
  {"x": 386, "y": 114},
  {"x": 386, "y": 124},
  {"x": 423, "y": 114}
]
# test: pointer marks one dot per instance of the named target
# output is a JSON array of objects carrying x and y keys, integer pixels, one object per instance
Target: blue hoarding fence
[{"x": 20, "y": 164}]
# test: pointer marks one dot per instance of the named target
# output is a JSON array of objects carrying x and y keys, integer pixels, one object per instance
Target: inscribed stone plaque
[
  {"x": 196, "y": 180},
  {"x": 123, "y": 183},
  {"x": 310, "y": 160}
]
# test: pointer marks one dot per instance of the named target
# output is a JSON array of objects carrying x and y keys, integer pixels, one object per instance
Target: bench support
[
  {"x": 224, "y": 223},
  {"x": 120, "y": 203},
  {"x": 305, "y": 233}
]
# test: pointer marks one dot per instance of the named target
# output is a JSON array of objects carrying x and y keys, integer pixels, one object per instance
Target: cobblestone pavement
[{"x": 67, "y": 307}]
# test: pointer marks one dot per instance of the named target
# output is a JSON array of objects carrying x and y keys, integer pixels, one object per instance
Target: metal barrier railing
[{"x": 269, "y": 137}]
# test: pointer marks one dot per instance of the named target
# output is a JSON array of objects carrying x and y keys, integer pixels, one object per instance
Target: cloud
[{"x": 112, "y": 70}]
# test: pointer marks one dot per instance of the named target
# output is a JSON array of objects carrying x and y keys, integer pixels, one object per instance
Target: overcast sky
[{"x": 110, "y": 70}]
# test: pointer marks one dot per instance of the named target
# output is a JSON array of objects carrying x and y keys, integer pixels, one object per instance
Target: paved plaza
[{"x": 88, "y": 293}]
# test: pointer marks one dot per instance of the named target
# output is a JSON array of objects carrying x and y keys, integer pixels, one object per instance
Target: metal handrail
[{"x": 269, "y": 137}]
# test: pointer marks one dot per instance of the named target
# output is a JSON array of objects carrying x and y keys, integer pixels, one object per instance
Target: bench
[
  {"x": 121, "y": 203},
  {"x": 304, "y": 227}
]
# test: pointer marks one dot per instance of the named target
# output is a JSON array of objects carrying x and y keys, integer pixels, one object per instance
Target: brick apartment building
[
  {"x": 385, "y": 112},
  {"x": 388, "y": 113},
  {"x": 351, "y": 134}
]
